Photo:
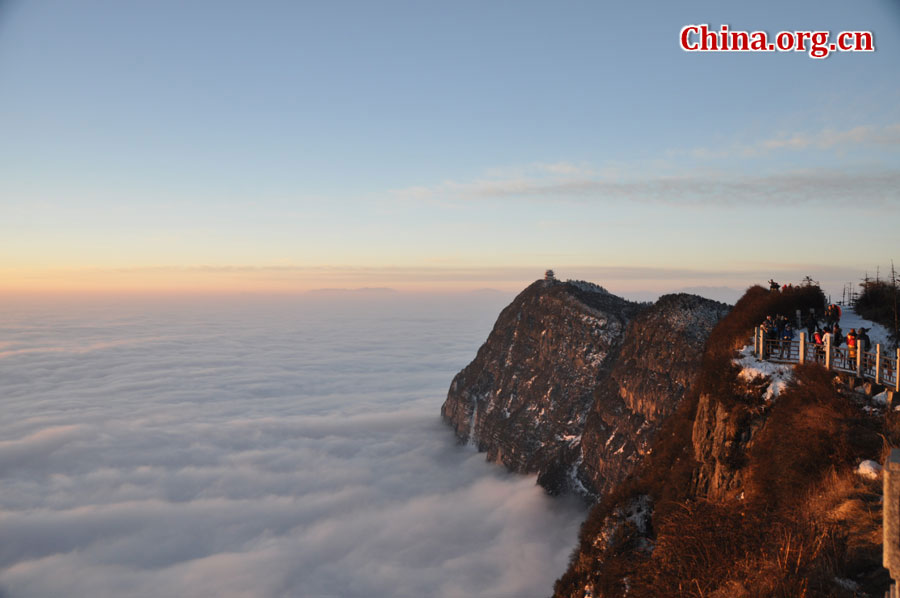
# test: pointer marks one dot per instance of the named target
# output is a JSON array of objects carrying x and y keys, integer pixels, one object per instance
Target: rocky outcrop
[
  {"x": 573, "y": 381},
  {"x": 728, "y": 462},
  {"x": 719, "y": 437},
  {"x": 525, "y": 397},
  {"x": 660, "y": 355}
]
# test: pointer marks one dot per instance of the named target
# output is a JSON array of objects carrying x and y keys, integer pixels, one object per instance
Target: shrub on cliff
[
  {"x": 798, "y": 524},
  {"x": 811, "y": 429}
]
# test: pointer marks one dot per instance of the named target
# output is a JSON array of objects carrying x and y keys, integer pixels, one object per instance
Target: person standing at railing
[
  {"x": 819, "y": 340},
  {"x": 851, "y": 347},
  {"x": 837, "y": 336},
  {"x": 832, "y": 315},
  {"x": 780, "y": 321},
  {"x": 863, "y": 340},
  {"x": 837, "y": 339},
  {"x": 810, "y": 323},
  {"x": 787, "y": 334},
  {"x": 768, "y": 328},
  {"x": 864, "y": 344}
]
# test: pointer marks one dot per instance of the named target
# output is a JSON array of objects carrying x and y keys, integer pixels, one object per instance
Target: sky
[
  {"x": 285, "y": 146},
  {"x": 257, "y": 447}
]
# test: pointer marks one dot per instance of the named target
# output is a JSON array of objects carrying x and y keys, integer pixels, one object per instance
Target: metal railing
[
  {"x": 879, "y": 366},
  {"x": 782, "y": 350}
]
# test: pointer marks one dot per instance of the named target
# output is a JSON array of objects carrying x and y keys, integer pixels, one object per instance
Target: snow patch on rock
[
  {"x": 779, "y": 374},
  {"x": 869, "y": 469}
]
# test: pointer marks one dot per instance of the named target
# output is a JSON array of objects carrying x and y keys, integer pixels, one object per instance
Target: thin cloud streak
[
  {"x": 812, "y": 188},
  {"x": 829, "y": 138},
  {"x": 861, "y": 137}
]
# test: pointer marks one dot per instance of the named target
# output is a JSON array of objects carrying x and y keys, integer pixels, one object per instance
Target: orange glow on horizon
[
  {"x": 262, "y": 280},
  {"x": 273, "y": 280}
]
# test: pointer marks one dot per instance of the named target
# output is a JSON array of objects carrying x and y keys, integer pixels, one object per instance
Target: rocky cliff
[
  {"x": 573, "y": 381},
  {"x": 741, "y": 495},
  {"x": 659, "y": 357}
]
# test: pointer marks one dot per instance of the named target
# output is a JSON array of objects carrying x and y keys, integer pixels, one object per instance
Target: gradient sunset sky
[{"x": 287, "y": 146}]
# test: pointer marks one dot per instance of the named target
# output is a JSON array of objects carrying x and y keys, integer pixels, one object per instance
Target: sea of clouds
[{"x": 257, "y": 447}]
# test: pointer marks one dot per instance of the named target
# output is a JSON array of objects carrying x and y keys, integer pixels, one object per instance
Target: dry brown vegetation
[
  {"x": 811, "y": 429},
  {"x": 803, "y": 523}
]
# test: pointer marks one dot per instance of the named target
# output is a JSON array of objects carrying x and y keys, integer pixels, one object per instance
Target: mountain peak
[{"x": 531, "y": 394}]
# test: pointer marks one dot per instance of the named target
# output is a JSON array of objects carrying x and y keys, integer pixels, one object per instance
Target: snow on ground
[
  {"x": 869, "y": 469},
  {"x": 779, "y": 373},
  {"x": 877, "y": 333}
]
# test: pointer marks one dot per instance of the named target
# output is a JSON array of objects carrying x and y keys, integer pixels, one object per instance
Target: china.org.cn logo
[{"x": 818, "y": 44}]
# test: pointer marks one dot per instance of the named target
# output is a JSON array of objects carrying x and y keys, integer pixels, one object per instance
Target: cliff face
[
  {"x": 659, "y": 357},
  {"x": 736, "y": 481},
  {"x": 524, "y": 398},
  {"x": 573, "y": 381}
]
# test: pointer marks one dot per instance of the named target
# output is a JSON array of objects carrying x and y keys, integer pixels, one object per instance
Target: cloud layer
[
  {"x": 279, "y": 448},
  {"x": 811, "y": 187}
]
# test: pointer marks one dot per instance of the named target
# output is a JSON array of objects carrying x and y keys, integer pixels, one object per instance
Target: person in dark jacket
[
  {"x": 862, "y": 337},
  {"x": 811, "y": 323},
  {"x": 769, "y": 333},
  {"x": 837, "y": 338},
  {"x": 832, "y": 315},
  {"x": 787, "y": 334}
]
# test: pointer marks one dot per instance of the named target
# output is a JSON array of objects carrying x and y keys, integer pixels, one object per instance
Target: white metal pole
[
  {"x": 897, "y": 372},
  {"x": 802, "y": 358},
  {"x": 859, "y": 358},
  {"x": 878, "y": 363}
]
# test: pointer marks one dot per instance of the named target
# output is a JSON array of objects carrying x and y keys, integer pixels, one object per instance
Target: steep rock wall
[
  {"x": 659, "y": 358},
  {"x": 708, "y": 466},
  {"x": 524, "y": 398},
  {"x": 573, "y": 381}
]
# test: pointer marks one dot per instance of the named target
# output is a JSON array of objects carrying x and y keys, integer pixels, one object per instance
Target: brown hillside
[{"x": 748, "y": 498}]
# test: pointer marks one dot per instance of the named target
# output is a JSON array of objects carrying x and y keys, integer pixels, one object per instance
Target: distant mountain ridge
[{"x": 357, "y": 291}]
